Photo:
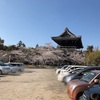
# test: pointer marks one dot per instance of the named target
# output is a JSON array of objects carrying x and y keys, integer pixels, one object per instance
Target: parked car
[
  {"x": 79, "y": 74},
  {"x": 65, "y": 72},
  {"x": 13, "y": 69},
  {"x": 4, "y": 69},
  {"x": 92, "y": 93},
  {"x": 78, "y": 86},
  {"x": 59, "y": 69},
  {"x": 20, "y": 66}
]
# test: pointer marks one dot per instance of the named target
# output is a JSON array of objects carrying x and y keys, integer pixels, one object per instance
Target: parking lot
[{"x": 32, "y": 84}]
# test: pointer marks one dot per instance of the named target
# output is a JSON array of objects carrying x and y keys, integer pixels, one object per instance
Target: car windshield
[
  {"x": 65, "y": 66},
  {"x": 2, "y": 64},
  {"x": 68, "y": 68},
  {"x": 7, "y": 64},
  {"x": 88, "y": 77}
]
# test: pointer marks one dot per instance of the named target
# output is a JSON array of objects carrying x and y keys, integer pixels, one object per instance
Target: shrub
[{"x": 93, "y": 58}]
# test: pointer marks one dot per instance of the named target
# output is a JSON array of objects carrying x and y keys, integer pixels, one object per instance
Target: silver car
[
  {"x": 4, "y": 69},
  {"x": 13, "y": 69},
  {"x": 20, "y": 66}
]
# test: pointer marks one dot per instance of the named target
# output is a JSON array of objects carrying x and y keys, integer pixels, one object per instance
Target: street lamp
[{"x": 9, "y": 58}]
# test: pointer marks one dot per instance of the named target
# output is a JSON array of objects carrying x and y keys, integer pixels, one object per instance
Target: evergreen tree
[{"x": 21, "y": 44}]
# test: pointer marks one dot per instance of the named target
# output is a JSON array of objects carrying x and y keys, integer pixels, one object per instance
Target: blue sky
[{"x": 36, "y": 21}]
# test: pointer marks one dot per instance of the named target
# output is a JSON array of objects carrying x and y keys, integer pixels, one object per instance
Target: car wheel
[
  {"x": 79, "y": 96},
  {"x": 0, "y": 72},
  {"x": 95, "y": 97}
]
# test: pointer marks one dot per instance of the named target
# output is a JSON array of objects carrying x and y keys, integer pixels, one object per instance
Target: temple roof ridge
[{"x": 67, "y": 33}]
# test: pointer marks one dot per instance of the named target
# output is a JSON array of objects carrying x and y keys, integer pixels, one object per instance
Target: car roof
[
  {"x": 77, "y": 66},
  {"x": 14, "y": 63},
  {"x": 97, "y": 71},
  {"x": 90, "y": 67}
]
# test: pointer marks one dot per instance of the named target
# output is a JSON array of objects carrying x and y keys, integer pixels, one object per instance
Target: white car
[
  {"x": 4, "y": 69},
  {"x": 64, "y": 68},
  {"x": 59, "y": 69},
  {"x": 63, "y": 73}
]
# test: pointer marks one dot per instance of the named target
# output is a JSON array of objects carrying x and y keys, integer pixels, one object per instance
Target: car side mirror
[{"x": 96, "y": 81}]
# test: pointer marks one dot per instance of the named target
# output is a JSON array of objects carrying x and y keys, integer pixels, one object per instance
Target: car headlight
[{"x": 72, "y": 87}]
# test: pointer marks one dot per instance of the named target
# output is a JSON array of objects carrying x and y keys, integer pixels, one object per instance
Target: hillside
[{"x": 43, "y": 55}]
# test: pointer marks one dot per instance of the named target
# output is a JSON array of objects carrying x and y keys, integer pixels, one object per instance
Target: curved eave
[
  {"x": 64, "y": 38},
  {"x": 72, "y": 41}
]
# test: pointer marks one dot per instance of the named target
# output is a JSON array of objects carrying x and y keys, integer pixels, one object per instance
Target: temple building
[{"x": 68, "y": 40}]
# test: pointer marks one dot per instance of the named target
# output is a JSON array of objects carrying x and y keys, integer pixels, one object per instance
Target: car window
[{"x": 98, "y": 77}]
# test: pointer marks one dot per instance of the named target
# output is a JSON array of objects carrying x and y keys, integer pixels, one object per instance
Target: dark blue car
[
  {"x": 79, "y": 74},
  {"x": 92, "y": 93}
]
